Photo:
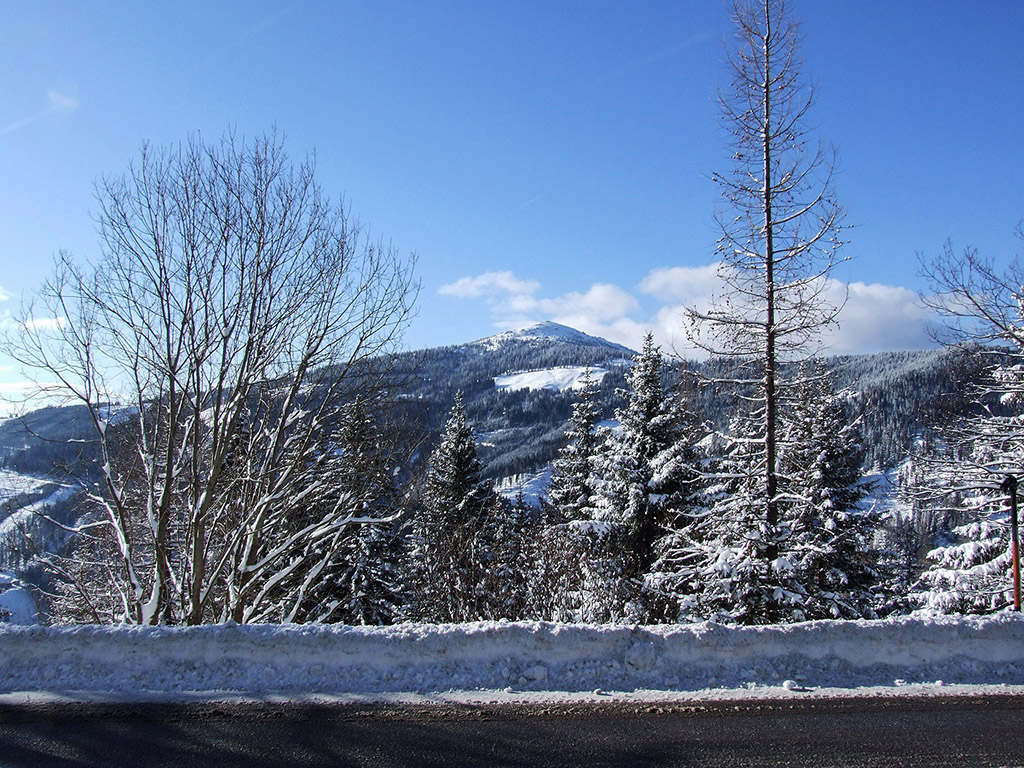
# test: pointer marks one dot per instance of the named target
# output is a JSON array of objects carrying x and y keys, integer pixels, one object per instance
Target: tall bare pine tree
[{"x": 780, "y": 232}]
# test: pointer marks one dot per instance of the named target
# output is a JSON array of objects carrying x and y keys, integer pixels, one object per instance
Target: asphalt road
[{"x": 955, "y": 731}]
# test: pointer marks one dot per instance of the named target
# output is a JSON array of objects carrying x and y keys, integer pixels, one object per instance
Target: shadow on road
[{"x": 956, "y": 731}]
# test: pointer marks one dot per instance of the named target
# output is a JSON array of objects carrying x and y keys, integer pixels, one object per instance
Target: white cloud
[
  {"x": 57, "y": 104},
  {"x": 61, "y": 103},
  {"x": 875, "y": 317},
  {"x": 879, "y": 317},
  {"x": 493, "y": 284},
  {"x": 44, "y": 323},
  {"x": 19, "y": 124},
  {"x": 4, "y": 295},
  {"x": 682, "y": 285},
  {"x": 603, "y": 303},
  {"x": 626, "y": 331}
]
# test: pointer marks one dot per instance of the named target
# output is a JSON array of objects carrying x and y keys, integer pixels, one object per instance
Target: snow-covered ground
[
  {"x": 17, "y": 606},
  {"x": 559, "y": 379},
  {"x": 532, "y": 486},
  {"x": 526, "y": 662},
  {"x": 13, "y": 484},
  {"x": 24, "y": 514}
]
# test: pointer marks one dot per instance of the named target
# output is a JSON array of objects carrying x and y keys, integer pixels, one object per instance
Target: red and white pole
[{"x": 1010, "y": 486}]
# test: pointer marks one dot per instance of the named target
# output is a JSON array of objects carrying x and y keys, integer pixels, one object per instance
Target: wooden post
[{"x": 1009, "y": 486}]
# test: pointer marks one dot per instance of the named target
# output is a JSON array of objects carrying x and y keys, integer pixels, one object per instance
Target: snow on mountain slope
[
  {"x": 522, "y": 661},
  {"x": 545, "y": 332},
  {"x": 531, "y": 486},
  {"x": 13, "y": 485},
  {"x": 56, "y": 493},
  {"x": 559, "y": 379}
]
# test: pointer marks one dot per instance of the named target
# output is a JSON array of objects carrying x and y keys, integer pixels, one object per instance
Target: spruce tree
[
  {"x": 725, "y": 550},
  {"x": 503, "y": 541},
  {"x": 363, "y": 586},
  {"x": 637, "y": 465},
  {"x": 447, "y": 552},
  {"x": 820, "y": 566},
  {"x": 678, "y": 472},
  {"x": 571, "y": 494},
  {"x": 827, "y": 538},
  {"x": 565, "y": 577},
  {"x": 559, "y": 562},
  {"x": 645, "y": 428},
  {"x": 971, "y": 571},
  {"x": 643, "y": 473},
  {"x": 371, "y": 584},
  {"x": 969, "y": 574}
]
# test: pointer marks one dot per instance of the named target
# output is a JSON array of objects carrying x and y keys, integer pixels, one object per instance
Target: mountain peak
[{"x": 547, "y": 331}]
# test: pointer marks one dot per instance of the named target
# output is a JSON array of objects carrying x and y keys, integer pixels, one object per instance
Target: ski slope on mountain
[
  {"x": 559, "y": 379},
  {"x": 524, "y": 661}
]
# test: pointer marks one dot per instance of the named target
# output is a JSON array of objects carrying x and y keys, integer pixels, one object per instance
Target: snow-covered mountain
[
  {"x": 546, "y": 333},
  {"x": 518, "y": 387},
  {"x": 518, "y": 390}
]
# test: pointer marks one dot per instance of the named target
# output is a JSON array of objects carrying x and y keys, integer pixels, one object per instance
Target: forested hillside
[
  {"x": 899, "y": 396},
  {"x": 519, "y": 393},
  {"x": 905, "y": 396}
]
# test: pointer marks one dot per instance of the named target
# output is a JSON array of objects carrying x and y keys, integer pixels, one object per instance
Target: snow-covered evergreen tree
[
  {"x": 677, "y": 471},
  {"x": 827, "y": 537},
  {"x": 559, "y": 561},
  {"x": 820, "y": 568},
  {"x": 643, "y": 466},
  {"x": 606, "y": 506},
  {"x": 447, "y": 556},
  {"x": 371, "y": 584},
  {"x": 916, "y": 522},
  {"x": 645, "y": 429},
  {"x": 503, "y": 544},
  {"x": 971, "y": 572},
  {"x": 567, "y": 572},
  {"x": 363, "y": 586},
  {"x": 725, "y": 549},
  {"x": 571, "y": 494}
]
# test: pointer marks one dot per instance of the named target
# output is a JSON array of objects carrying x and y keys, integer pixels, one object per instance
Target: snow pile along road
[{"x": 524, "y": 661}]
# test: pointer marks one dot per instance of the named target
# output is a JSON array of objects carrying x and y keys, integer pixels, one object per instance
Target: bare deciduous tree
[
  {"x": 233, "y": 310},
  {"x": 983, "y": 304},
  {"x": 979, "y": 301}
]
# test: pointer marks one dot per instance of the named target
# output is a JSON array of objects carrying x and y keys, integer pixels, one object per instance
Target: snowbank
[{"x": 525, "y": 659}]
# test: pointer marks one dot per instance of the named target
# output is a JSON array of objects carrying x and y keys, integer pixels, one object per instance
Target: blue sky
[{"x": 544, "y": 160}]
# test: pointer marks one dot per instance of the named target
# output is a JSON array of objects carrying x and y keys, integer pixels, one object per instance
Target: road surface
[{"x": 953, "y": 731}]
